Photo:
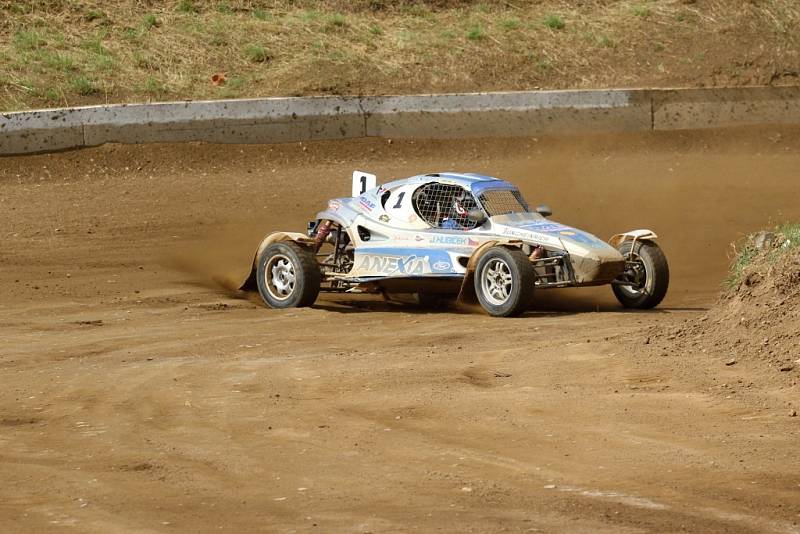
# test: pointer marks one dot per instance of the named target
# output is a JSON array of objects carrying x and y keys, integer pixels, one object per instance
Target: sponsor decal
[
  {"x": 334, "y": 205},
  {"x": 453, "y": 240},
  {"x": 366, "y": 204},
  {"x": 545, "y": 227},
  {"x": 587, "y": 239},
  {"x": 408, "y": 262},
  {"x": 412, "y": 218},
  {"x": 555, "y": 228},
  {"x": 518, "y": 233},
  {"x": 531, "y": 236},
  {"x": 412, "y": 265},
  {"x": 384, "y": 218}
]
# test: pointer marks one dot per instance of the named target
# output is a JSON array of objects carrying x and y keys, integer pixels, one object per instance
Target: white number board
[{"x": 363, "y": 181}]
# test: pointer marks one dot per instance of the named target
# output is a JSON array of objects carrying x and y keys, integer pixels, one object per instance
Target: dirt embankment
[
  {"x": 67, "y": 53},
  {"x": 754, "y": 325}
]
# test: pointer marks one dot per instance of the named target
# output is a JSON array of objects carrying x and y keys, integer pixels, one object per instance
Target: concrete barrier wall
[
  {"x": 507, "y": 114},
  {"x": 270, "y": 120},
  {"x": 693, "y": 109},
  {"x": 277, "y": 120}
]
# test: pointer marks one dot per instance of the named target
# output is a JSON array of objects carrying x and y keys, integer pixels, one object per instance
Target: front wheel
[
  {"x": 288, "y": 276},
  {"x": 646, "y": 271},
  {"x": 504, "y": 281}
]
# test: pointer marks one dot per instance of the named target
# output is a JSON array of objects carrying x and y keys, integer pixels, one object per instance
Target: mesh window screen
[
  {"x": 503, "y": 202},
  {"x": 445, "y": 206}
]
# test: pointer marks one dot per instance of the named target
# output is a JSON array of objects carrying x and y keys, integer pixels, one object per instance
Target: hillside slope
[{"x": 59, "y": 53}]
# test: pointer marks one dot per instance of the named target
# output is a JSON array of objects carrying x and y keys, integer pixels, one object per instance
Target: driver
[{"x": 456, "y": 219}]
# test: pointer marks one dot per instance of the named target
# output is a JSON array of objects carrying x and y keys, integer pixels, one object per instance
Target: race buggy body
[{"x": 451, "y": 234}]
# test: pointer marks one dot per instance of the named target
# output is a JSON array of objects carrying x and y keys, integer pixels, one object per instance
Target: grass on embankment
[
  {"x": 59, "y": 52},
  {"x": 786, "y": 238}
]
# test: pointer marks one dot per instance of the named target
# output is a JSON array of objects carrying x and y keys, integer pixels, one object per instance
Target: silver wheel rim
[
  {"x": 496, "y": 281},
  {"x": 279, "y": 277},
  {"x": 634, "y": 292}
]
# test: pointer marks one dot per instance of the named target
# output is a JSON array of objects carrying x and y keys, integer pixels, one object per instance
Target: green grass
[
  {"x": 154, "y": 87},
  {"x": 475, "y": 32},
  {"x": 512, "y": 23},
  {"x": 94, "y": 45},
  {"x": 234, "y": 86},
  {"x": 219, "y": 33},
  {"x": 52, "y": 95},
  {"x": 57, "y": 61},
  {"x": 187, "y": 6},
  {"x": 83, "y": 86},
  {"x": 789, "y": 237},
  {"x": 641, "y": 11},
  {"x": 605, "y": 41},
  {"x": 543, "y": 64},
  {"x": 309, "y": 15},
  {"x": 150, "y": 21},
  {"x": 257, "y": 54},
  {"x": 743, "y": 259},
  {"x": 337, "y": 21},
  {"x": 554, "y": 22},
  {"x": 143, "y": 61},
  {"x": 28, "y": 40},
  {"x": 96, "y": 15}
]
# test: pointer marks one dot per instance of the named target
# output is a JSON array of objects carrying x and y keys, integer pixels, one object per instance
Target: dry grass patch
[{"x": 67, "y": 53}]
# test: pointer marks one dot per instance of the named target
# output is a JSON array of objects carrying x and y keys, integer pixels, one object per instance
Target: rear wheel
[
  {"x": 288, "y": 276},
  {"x": 647, "y": 271},
  {"x": 504, "y": 281}
]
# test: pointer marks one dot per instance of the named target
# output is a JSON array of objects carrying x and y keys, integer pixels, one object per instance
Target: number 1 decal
[
  {"x": 363, "y": 182},
  {"x": 399, "y": 202}
]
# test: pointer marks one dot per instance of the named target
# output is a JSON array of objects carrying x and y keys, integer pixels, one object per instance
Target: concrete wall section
[
  {"x": 507, "y": 114},
  {"x": 691, "y": 109},
  {"x": 273, "y": 120},
  {"x": 278, "y": 120},
  {"x": 23, "y": 133}
]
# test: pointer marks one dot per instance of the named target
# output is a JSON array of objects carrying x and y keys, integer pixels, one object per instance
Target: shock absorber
[
  {"x": 322, "y": 234},
  {"x": 538, "y": 253}
]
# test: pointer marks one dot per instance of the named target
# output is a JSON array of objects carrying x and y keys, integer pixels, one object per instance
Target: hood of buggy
[{"x": 594, "y": 260}]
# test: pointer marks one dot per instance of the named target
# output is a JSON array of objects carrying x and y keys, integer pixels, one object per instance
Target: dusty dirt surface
[
  {"x": 754, "y": 324},
  {"x": 140, "y": 396}
]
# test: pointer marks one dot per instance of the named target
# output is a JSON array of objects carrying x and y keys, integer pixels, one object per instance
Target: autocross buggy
[{"x": 451, "y": 234}]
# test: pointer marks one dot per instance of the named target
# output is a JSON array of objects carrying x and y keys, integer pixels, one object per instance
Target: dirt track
[{"x": 140, "y": 396}]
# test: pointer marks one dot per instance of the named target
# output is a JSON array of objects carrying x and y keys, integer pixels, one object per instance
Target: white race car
[{"x": 450, "y": 234}]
